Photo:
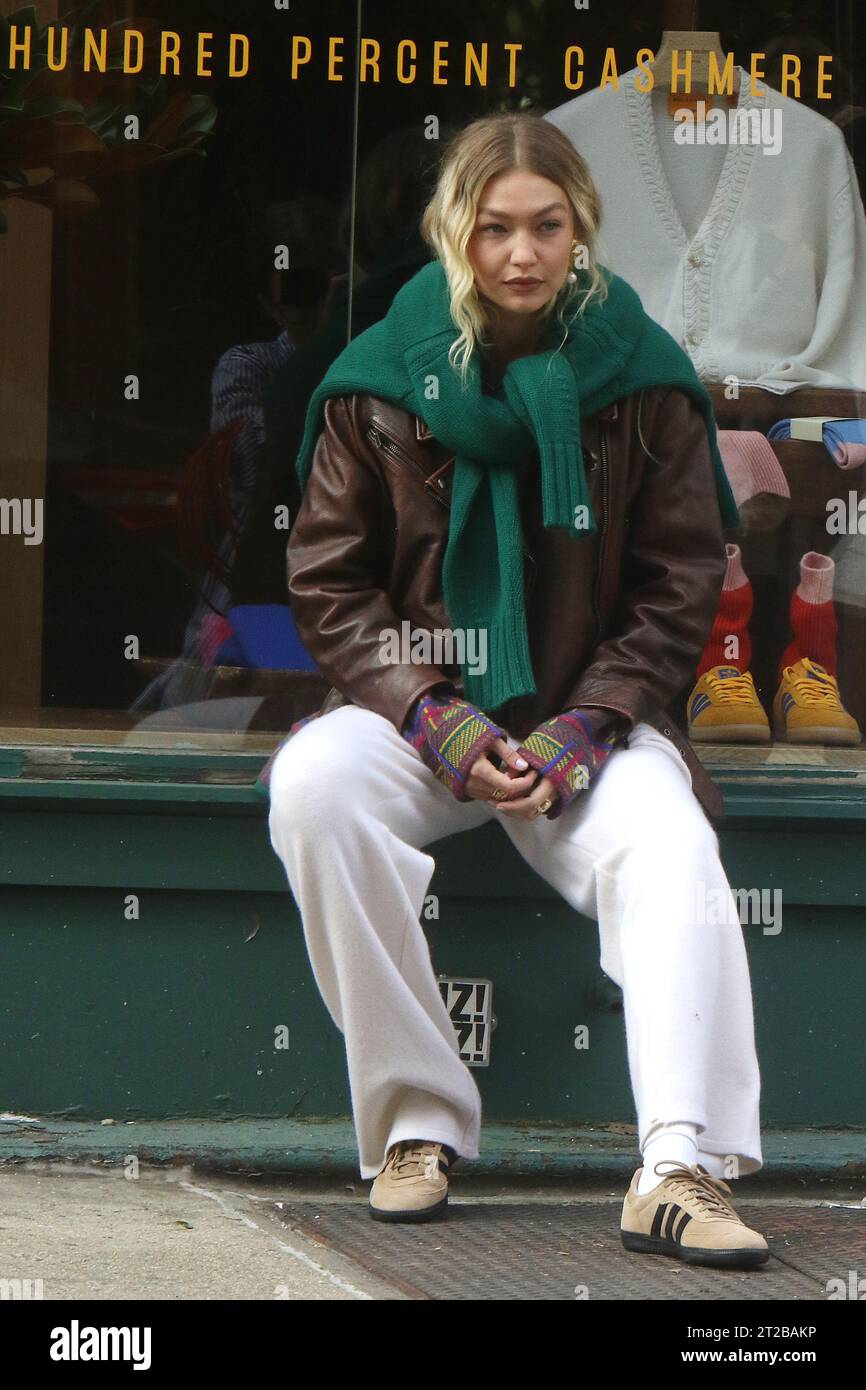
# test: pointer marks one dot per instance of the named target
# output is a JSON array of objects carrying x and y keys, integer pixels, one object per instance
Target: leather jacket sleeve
[
  {"x": 674, "y": 566},
  {"x": 337, "y": 573}
]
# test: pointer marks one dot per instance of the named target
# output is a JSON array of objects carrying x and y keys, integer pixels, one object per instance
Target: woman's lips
[{"x": 523, "y": 286}]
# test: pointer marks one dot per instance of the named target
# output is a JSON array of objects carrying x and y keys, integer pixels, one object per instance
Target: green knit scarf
[{"x": 613, "y": 349}]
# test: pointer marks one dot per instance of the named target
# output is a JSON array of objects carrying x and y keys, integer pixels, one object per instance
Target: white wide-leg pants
[{"x": 352, "y": 807}]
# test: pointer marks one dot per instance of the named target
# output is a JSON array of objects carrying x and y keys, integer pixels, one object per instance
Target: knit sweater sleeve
[
  {"x": 835, "y": 355},
  {"x": 337, "y": 573}
]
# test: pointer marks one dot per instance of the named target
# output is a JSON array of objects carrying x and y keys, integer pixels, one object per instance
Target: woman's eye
[{"x": 550, "y": 226}]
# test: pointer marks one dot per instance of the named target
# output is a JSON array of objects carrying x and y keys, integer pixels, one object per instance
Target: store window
[{"x": 187, "y": 246}]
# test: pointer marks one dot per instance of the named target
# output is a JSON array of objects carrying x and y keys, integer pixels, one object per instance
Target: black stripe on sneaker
[
  {"x": 658, "y": 1219},
  {"x": 678, "y": 1234},
  {"x": 668, "y": 1226}
]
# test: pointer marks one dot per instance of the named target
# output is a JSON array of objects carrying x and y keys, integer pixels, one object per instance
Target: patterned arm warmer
[
  {"x": 569, "y": 751},
  {"x": 450, "y": 736}
]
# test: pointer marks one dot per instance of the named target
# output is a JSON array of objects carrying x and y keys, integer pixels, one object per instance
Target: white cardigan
[{"x": 772, "y": 287}]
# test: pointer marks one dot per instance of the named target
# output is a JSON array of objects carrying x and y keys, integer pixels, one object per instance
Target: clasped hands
[
  {"x": 525, "y": 790},
  {"x": 553, "y": 764}
]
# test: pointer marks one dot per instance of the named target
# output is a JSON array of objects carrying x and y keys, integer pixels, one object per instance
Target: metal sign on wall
[{"x": 470, "y": 1007}]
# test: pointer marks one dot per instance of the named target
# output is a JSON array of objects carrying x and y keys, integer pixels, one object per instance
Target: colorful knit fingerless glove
[
  {"x": 450, "y": 736},
  {"x": 567, "y": 750}
]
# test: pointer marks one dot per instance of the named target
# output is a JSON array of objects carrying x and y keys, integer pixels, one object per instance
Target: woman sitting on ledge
[{"x": 517, "y": 450}]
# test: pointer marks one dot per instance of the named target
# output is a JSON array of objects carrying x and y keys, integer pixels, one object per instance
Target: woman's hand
[
  {"x": 568, "y": 752},
  {"x": 524, "y": 793},
  {"x": 441, "y": 722},
  {"x": 454, "y": 738}
]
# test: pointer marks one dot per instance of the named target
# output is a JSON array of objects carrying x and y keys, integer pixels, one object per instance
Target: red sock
[
  {"x": 813, "y": 617},
  {"x": 732, "y": 619}
]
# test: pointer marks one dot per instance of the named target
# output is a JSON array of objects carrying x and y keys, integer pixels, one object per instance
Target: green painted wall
[{"x": 174, "y": 1014}]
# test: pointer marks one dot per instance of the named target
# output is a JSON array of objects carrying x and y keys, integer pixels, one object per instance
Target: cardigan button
[{"x": 695, "y": 259}]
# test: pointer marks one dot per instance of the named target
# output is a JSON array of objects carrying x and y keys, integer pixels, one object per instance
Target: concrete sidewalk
[
  {"x": 182, "y": 1234},
  {"x": 88, "y": 1234}
]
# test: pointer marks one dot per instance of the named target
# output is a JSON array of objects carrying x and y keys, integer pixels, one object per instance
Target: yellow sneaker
[
  {"x": 808, "y": 708},
  {"x": 724, "y": 708}
]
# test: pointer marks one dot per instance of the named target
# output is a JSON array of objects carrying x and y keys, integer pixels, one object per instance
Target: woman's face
[{"x": 520, "y": 248}]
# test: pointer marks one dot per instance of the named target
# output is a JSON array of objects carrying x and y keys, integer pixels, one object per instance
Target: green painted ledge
[
  {"x": 62, "y": 774},
  {"x": 33, "y": 774},
  {"x": 311, "y": 1147}
]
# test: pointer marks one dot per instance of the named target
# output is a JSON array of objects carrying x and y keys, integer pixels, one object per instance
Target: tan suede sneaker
[
  {"x": 413, "y": 1185},
  {"x": 688, "y": 1216}
]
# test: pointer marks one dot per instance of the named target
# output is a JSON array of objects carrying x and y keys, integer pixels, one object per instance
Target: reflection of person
[
  {"x": 507, "y": 394},
  {"x": 294, "y": 299},
  {"x": 394, "y": 182}
]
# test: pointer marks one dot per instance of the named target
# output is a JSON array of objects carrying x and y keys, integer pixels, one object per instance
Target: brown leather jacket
[{"x": 618, "y": 619}]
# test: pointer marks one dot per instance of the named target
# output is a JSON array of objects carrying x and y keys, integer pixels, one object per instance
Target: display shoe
[
  {"x": 724, "y": 708},
  {"x": 689, "y": 1217},
  {"x": 413, "y": 1184},
  {"x": 808, "y": 708}
]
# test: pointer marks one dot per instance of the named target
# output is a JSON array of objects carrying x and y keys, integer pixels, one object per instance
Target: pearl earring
[{"x": 572, "y": 274}]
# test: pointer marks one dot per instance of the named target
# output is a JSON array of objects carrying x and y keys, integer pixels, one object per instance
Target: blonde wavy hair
[{"x": 486, "y": 148}]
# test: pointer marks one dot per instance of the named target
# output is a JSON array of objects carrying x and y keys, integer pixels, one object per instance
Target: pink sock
[
  {"x": 813, "y": 617},
  {"x": 732, "y": 618}
]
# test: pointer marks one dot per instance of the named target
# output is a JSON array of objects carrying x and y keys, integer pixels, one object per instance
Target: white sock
[
  {"x": 714, "y": 1164},
  {"x": 677, "y": 1142}
]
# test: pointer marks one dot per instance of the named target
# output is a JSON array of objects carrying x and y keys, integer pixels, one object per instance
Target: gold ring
[
  {"x": 545, "y": 806},
  {"x": 499, "y": 795}
]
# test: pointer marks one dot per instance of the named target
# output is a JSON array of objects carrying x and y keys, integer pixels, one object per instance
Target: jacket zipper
[
  {"x": 383, "y": 441},
  {"x": 597, "y": 589}
]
